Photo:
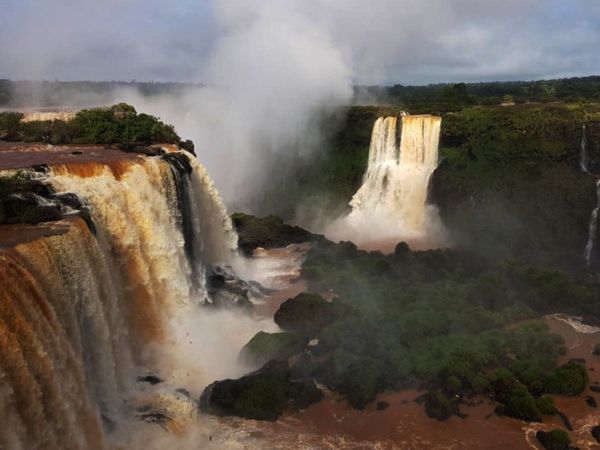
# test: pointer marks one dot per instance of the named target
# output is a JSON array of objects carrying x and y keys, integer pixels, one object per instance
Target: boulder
[
  {"x": 305, "y": 314},
  {"x": 439, "y": 407},
  {"x": 596, "y": 433},
  {"x": 554, "y": 440},
  {"x": 260, "y": 395},
  {"x": 304, "y": 392}
]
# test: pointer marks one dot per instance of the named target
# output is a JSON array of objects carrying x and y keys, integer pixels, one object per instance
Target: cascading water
[
  {"x": 583, "y": 156},
  {"x": 589, "y": 247},
  {"x": 82, "y": 314},
  {"x": 392, "y": 201}
]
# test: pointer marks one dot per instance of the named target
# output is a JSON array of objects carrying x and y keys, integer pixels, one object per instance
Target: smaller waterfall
[
  {"x": 583, "y": 156},
  {"x": 391, "y": 204},
  {"x": 589, "y": 247}
]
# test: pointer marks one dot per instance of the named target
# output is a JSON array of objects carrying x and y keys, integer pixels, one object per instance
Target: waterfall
[
  {"x": 393, "y": 196},
  {"x": 583, "y": 156},
  {"x": 83, "y": 313},
  {"x": 589, "y": 247}
]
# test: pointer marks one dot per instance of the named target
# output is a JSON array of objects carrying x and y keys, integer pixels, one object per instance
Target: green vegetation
[
  {"x": 509, "y": 185},
  {"x": 455, "y": 97},
  {"x": 264, "y": 347},
  {"x": 446, "y": 320},
  {"x": 119, "y": 124},
  {"x": 554, "y": 439}
]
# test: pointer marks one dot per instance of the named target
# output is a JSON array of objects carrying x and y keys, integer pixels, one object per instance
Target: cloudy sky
[{"x": 378, "y": 41}]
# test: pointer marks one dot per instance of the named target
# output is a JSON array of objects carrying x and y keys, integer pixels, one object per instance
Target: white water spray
[
  {"x": 392, "y": 201},
  {"x": 583, "y": 156},
  {"x": 589, "y": 247}
]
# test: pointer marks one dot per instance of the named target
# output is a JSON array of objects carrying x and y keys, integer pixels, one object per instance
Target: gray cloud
[{"x": 409, "y": 41}]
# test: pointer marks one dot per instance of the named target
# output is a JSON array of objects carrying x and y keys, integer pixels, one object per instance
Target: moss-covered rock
[
  {"x": 261, "y": 395},
  {"x": 439, "y": 406},
  {"x": 267, "y": 232},
  {"x": 305, "y": 314},
  {"x": 264, "y": 347},
  {"x": 554, "y": 440}
]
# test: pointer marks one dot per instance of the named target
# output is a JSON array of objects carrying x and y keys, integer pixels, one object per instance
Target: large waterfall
[
  {"x": 84, "y": 306},
  {"x": 392, "y": 203}
]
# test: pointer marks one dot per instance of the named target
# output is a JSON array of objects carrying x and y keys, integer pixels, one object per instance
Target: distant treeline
[
  {"x": 48, "y": 94},
  {"x": 457, "y": 96},
  {"x": 434, "y": 97},
  {"x": 116, "y": 124}
]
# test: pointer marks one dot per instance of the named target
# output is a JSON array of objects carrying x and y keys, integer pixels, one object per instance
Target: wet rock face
[
  {"x": 267, "y": 232},
  {"x": 227, "y": 290}
]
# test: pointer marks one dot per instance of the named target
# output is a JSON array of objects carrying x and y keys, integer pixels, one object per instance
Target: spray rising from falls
[
  {"x": 583, "y": 156},
  {"x": 392, "y": 201},
  {"x": 84, "y": 305},
  {"x": 589, "y": 247}
]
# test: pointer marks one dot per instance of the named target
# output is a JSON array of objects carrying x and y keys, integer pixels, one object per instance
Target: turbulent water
[
  {"x": 392, "y": 201},
  {"x": 84, "y": 310}
]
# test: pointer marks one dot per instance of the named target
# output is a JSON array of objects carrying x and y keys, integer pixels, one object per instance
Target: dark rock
[
  {"x": 77, "y": 152},
  {"x": 184, "y": 392},
  {"x": 596, "y": 432},
  {"x": 595, "y": 388},
  {"x": 591, "y": 401},
  {"x": 267, "y": 232},
  {"x": 565, "y": 420},
  {"x": 382, "y": 405},
  {"x": 305, "y": 314},
  {"x": 41, "y": 168},
  {"x": 188, "y": 146},
  {"x": 577, "y": 361},
  {"x": 68, "y": 199},
  {"x": 554, "y": 440},
  {"x": 402, "y": 248},
  {"x": 260, "y": 395},
  {"x": 225, "y": 289},
  {"x": 596, "y": 350},
  {"x": 150, "y": 378},
  {"x": 304, "y": 393}
]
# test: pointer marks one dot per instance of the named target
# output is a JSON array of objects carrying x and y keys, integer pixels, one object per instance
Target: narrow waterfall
[
  {"x": 393, "y": 195},
  {"x": 84, "y": 312},
  {"x": 583, "y": 156},
  {"x": 589, "y": 247}
]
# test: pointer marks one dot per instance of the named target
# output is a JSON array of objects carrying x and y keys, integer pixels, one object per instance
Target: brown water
[{"x": 20, "y": 155}]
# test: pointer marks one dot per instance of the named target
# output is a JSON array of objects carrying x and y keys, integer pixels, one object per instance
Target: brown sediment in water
[
  {"x": 22, "y": 155},
  {"x": 44, "y": 396}
]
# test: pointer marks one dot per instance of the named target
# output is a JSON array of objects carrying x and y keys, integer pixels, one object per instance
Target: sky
[{"x": 377, "y": 42}]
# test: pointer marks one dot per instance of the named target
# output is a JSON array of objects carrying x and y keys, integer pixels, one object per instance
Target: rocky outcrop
[
  {"x": 260, "y": 395},
  {"x": 264, "y": 347},
  {"x": 305, "y": 314},
  {"x": 267, "y": 232}
]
